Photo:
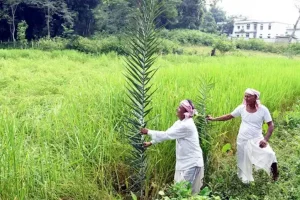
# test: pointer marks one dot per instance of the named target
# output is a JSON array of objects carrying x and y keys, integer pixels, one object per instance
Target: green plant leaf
[
  {"x": 226, "y": 148},
  {"x": 205, "y": 192},
  {"x": 134, "y": 197}
]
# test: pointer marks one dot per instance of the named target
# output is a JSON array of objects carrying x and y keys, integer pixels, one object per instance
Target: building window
[
  {"x": 237, "y": 35},
  {"x": 260, "y": 36},
  {"x": 254, "y": 35},
  {"x": 248, "y": 26},
  {"x": 255, "y": 26},
  {"x": 270, "y": 26},
  {"x": 247, "y": 35},
  {"x": 238, "y": 27},
  {"x": 269, "y": 35},
  {"x": 261, "y": 27}
]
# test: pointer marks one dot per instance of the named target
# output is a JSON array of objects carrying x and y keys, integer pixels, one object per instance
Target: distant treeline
[{"x": 52, "y": 18}]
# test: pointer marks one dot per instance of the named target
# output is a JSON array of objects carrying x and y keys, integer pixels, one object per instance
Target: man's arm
[
  {"x": 264, "y": 142},
  {"x": 221, "y": 118},
  {"x": 174, "y": 132},
  {"x": 270, "y": 130}
]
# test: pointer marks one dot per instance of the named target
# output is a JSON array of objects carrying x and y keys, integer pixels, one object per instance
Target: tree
[
  {"x": 169, "y": 16},
  {"x": 84, "y": 19},
  {"x": 54, "y": 7},
  {"x": 209, "y": 24},
  {"x": 190, "y": 13},
  {"x": 9, "y": 13},
  {"x": 218, "y": 14},
  {"x": 112, "y": 16},
  {"x": 226, "y": 27},
  {"x": 22, "y": 26},
  {"x": 297, "y": 5},
  {"x": 213, "y": 3}
]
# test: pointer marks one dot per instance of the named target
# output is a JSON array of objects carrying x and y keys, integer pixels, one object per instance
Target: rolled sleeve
[{"x": 174, "y": 132}]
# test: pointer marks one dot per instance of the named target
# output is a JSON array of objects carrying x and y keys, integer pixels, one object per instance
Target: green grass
[{"x": 61, "y": 116}]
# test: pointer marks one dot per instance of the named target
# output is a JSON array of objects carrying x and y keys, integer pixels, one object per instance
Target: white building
[
  {"x": 267, "y": 31},
  {"x": 290, "y": 30}
]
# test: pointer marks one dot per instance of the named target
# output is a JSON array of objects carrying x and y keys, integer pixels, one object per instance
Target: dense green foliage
[{"x": 63, "y": 18}]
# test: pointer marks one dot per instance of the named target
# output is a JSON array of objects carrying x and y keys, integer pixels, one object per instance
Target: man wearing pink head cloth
[
  {"x": 252, "y": 146},
  {"x": 189, "y": 159}
]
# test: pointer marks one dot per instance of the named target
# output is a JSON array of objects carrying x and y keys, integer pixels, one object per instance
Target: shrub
[
  {"x": 167, "y": 47},
  {"x": 182, "y": 190},
  {"x": 84, "y": 45},
  {"x": 191, "y": 37},
  {"x": 295, "y": 48},
  {"x": 51, "y": 44},
  {"x": 224, "y": 45},
  {"x": 112, "y": 44}
]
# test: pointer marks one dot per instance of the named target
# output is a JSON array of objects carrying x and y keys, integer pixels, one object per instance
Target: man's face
[
  {"x": 250, "y": 99},
  {"x": 180, "y": 112}
]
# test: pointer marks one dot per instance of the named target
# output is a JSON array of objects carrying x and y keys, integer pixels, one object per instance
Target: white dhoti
[
  {"x": 249, "y": 153},
  {"x": 193, "y": 175}
]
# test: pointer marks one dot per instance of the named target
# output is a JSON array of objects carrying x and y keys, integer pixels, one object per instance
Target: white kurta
[
  {"x": 188, "y": 151},
  {"x": 189, "y": 159},
  {"x": 250, "y": 134}
]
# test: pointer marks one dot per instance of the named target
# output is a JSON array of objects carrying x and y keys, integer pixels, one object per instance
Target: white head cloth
[
  {"x": 190, "y": 108},
  {"x": 253, "y": 92}
]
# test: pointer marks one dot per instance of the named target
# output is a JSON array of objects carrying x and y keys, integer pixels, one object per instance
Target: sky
[{"x": 269, "y": 10}]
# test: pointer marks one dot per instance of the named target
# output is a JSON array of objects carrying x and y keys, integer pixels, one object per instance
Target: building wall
[
  {"x": 264, "y": 30},
  {"x": 297, "y": 33}
]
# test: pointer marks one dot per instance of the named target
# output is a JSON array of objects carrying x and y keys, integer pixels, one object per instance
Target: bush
[
  {"x": 84, "y": 45},
  {"x": 51, "y": 44},
  {"x": 295, "y": 48},
  {"x": 183, "y": 190},
  {"x": 167, "y": 47},
  {"x": 97, "y": 46},
  {"x": 190, "y": 37},
  {"x": 112, "y": 44},
  {"x": 224, "y": 45}
]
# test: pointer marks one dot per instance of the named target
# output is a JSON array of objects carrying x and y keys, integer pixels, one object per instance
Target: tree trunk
[
  {"x": 13, "y": 26},
  {"x": 48, "y": 21},
  {"x": 295, "y": 28}
]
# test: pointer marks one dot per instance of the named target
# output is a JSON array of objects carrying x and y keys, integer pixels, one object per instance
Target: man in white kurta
[
  {"x": 252, "y": 146},
  {"x": 189, "y": 159},
  {"x": 250, "y": 134}
]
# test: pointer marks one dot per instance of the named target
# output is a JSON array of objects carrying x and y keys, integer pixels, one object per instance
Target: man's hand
[
  {"x": 209, "y": 118},
  {"x": 144, "y": 131},
  {"x": 147, "y": 144},
  {"x": 263, "y": 143}
]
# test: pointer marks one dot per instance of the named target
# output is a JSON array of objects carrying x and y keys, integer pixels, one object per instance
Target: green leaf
[
  {"x": 226, "y": 148},
  {"x": 134, "y": 197},
  {"x": 205, "y": 192}
]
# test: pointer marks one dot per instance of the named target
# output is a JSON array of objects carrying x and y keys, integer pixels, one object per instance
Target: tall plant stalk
[
  {"x": 205, "y": 138},
  {"x": 142, "y": 51}
]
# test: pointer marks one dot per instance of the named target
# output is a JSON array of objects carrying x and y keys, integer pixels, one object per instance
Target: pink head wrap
[
  {"x": 253, "y": 92},
  {"x": 190, "y": 108}
]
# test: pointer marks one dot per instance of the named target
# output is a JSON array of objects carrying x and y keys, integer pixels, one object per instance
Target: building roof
[{"x": 257, "y": 21}]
